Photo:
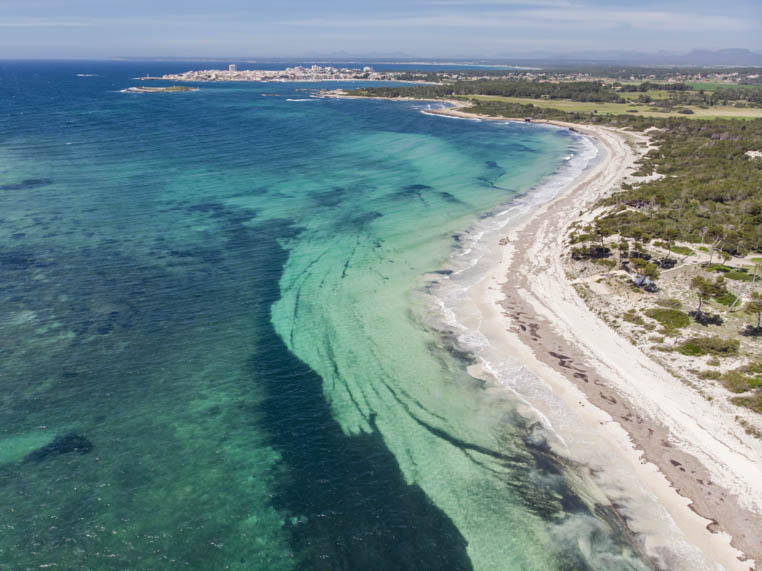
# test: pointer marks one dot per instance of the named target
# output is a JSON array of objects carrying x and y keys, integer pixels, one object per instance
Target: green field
[
  {"x": 652, "y": 93},
  {"x": 715, "y": 112}
]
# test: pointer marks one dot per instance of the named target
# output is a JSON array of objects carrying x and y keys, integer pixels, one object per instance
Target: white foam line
[{"x": 426, "y": 112}]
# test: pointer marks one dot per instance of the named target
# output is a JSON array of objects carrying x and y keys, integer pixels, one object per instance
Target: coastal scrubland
[{"x": 647, "y": 98}]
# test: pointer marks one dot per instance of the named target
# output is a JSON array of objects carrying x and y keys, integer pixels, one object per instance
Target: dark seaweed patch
[
  {"x": 17, "y": 260},
  {"x": 356, "y": 510},
  {"x": 328, "y": 198},
  {"x": 361, "y": 221},
  {"x": 448, "y": 197},
  {"x": 207, "y": 207},
  {"x": 27, "y": 184},
  {"x": 71, "y": 443},
  {"x": 217, "y": 210}
]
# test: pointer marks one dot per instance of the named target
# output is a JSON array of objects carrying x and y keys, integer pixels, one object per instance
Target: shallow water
[{"x": 222, "y": 293}]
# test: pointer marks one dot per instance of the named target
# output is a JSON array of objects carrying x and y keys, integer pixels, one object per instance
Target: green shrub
[
  {"x": 682, "y": 250},
  {"x": 726, "y": 298},
  {"x": 753, "y": 402},
  {"x": 719, "y": 268},
  {"x": 633, "y": 317},
  {"x": 714, "y": 375},
  {"x": 735, "y": 381},
  {"x": 670, "y": 318},
  {"x": 698, "y": 346},
  {"x": 739, "y": 276},
  {"x": 744, "y": 378},
  {"x": 605, "y": 263},
  {"x": 590, "y": 252},
  {"x": 669, "y": 302}
]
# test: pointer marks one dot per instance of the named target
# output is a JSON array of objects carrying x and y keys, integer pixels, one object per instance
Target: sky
[{"x": 416, "y": 28}]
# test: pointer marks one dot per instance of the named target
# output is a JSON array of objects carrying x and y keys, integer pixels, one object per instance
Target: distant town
[
  {"x": 298, "y": 73},
  {"x": 316, "y": 73}
]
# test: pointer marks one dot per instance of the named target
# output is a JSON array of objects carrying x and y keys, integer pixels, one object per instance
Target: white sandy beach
[{"x": 687, "y": 454}]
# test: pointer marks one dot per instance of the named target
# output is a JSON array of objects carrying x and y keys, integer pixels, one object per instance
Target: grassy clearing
[
  {"x": 714, "y": 86},
  {"x": 716, "y": 112},
  {"x": 652, "y": 93}
]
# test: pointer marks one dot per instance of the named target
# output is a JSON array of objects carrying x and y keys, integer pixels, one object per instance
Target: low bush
[
  {"x": 605, "y": 263},
  {"x": 753, "y": 402},
  {"x": 726, "y": 298},
  {"x": 719, "y": 268},
  {"x": 714, "y": 375},
  {"x": 669, "y": 302},
  {"x": 698, "y": 346},
  {"x": 590, "y": 252},
  {"x": 670, "y": 318},
  {"x": 633, "y": 317},
  {"x": 739, "y": 276},
  {"x": 735, "y": 381},
  {"x": 744, "y": 378}
]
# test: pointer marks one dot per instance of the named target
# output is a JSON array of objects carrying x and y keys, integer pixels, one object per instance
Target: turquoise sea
[{"x": 215, "y": 353}]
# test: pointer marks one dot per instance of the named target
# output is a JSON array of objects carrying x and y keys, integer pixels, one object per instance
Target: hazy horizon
[{"x": 85, "y": 29}]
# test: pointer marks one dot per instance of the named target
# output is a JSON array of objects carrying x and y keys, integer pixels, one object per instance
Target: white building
[{"x": 232, "y": 67}]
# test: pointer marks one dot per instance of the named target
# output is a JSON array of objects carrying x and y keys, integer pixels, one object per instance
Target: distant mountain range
[{"x": 724, "y": 57}]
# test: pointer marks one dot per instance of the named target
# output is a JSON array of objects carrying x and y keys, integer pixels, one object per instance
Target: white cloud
[
  {"x": 33, "y": 23},
  {"x": 470, "y": 4}
]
